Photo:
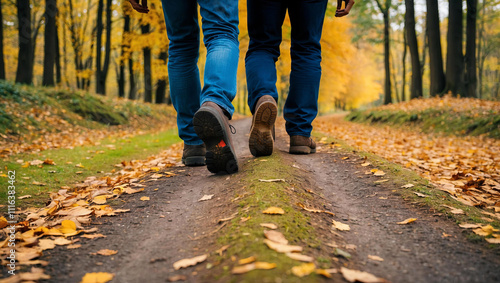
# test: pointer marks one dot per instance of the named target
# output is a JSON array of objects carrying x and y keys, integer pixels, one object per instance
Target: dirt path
[{"x": 174, "y": 225}]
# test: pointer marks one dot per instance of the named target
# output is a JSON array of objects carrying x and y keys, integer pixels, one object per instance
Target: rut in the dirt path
[{"x": 174, "y": 225}]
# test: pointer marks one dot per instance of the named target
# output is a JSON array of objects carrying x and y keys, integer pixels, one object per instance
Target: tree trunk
[
  {"x": 102, "y": 72},
  {"x": 387, "y": 87},
  {"x": 405, "y": 52},
  {"x": 132, "y": 94},
  {"x": 454, "y": 55},
  {"x": 148, "y": 89},
  {"x": 416, "y": 75},
  {"x": 24, "y": 73},
  {"x": 470, "y": 49},
  {"x": 58, "y": 60},
  {"x": 161, "y": 87},
  {"x": 124, "y": 51},
  {"x": 49, "y": 58},
  {"x": 2, "y": 60}
]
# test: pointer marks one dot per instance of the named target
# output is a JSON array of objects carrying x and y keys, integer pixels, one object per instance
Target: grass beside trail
[
  {"x": 400, "y": 176},
  {"x": 246, "y": 239},
  {"x": 74, "y": 165},
  {"x": 455, "y": 116}
]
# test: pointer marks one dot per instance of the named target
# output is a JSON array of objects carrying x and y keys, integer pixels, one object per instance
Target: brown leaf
[
  {"x": 454, "y": 210},
  {"x": 206, "y": 197},
  {"x": 300, "y": 257},
  {"x": 183, "y": 263},
  {"x": 359, "y": 276},
  {"x": 176, "y": 278},
  {"x": 272, "y": 180},
  {"x": 282, "y": 248},
  {"x": 375, "y": 258},
  {"x": 269, "y": 226},
  {"x": 340, "y": 226},
  {"x": 107, "y": 252},
  {"x": 314, "y": 210},
  {"x": 276, "y": 237},
  {"x": 469, "y": 226},
  {"x": 46, "y": 244},
  {"x": 144, "y": 198},
  {"x": 407, "y": 221},
  {"x": 93, "y": 236}
]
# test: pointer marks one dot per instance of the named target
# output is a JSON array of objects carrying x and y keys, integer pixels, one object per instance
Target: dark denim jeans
[
  {"x": 220, "y": 36},
  {"x": 265, "y": 19}
]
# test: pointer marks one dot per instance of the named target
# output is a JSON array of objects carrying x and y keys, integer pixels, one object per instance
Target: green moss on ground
[{"x": 246, "y": 239}]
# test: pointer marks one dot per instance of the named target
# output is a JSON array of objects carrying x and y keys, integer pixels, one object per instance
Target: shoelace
[{"x": 232, "y": 129}]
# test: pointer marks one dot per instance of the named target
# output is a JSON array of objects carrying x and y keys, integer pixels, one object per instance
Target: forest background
[{"x": 385, "y": 51}]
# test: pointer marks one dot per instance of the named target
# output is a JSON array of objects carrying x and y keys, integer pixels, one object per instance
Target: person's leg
[
  {"x": 181, "y": 19},
  {"x": 220, "y": 36},
  {"x": 265, "y": 18},
  {"x": 301, "y": 106},
  {"x": 220, "y": 32}
]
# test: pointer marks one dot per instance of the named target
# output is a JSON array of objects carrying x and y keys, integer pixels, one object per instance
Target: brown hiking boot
[
  {"x": 194, "y": 155},
  {"x": 302, "y": 145},
  {"x": 212, "y": 127},
  {"x": 261, "y": 141}
]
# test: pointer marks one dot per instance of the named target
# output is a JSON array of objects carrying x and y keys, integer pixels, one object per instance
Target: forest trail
[{"x": 174, "y": 225}]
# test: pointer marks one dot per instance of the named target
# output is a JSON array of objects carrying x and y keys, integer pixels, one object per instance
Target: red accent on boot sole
[{"x": 221, "y": 144}]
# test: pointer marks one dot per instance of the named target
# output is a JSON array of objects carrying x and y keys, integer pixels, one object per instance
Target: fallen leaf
[
  {"x": 36, "y": 162},
  {"x": 183, "y": 263},
  {"x": 269, "y": 226},
  {"x": 24, "y": 197},
  {"x": 493, "y": 240},
  {"x": 38, "y": 183},
  {"x": 324, "y": 272},
  {"x": 276, "y": 237},
  {"x": 252, "y": 266},
  {"x": 264, "y": 265},
  {"x": 97, "y": 277},
  {"x": 272, "y": 180},
  {"x": 46, "y": 244},
  {"x": 4, "y": 223},
  {"x": 485, "y": 230},
  {"x": 62, "y": 241},
  {"x": 300, "y": 257},
  {"x": 176, "y": 278},
  {"x": 206, "y": 197},
  {"x": 107, "y": 252},
  {"x": 421, "y": 195},
  {"x": 407, "y": 221},
  {"x": 303, "y": 269},
  {"x": 469, "y": 226},
  {"x": 93, "y": 236},
  {"x": 68, "y": 228},
  {"x": 381, "y": 181},
  {"x": 245, "y": 219},
  {"x": 36, "y": 274},
  {"x": 340, "y": 226},
  {"x": 407, "y": 186},
  {"x": 366, "y": 164},
  {"x": 282, "y": 248},
  {"x": 314, "y": 210},
  {"x": 79, "y": 165},
  {"x": 359, "y": 276},
  {"x": 99, "y": 199},
  {"x": 247, "y": 260},
  {"x": 221, "y": 250},
  {"x": 144, "y": 198},
  {"x": 75, "y": 246},
  {"x": 377, "y": 172},
  {"x": 454, "y": 210},
  {"x": 274, "y": 210},
  {"x": 375, "y": 258},
  {"x": 342, "y": 253}
]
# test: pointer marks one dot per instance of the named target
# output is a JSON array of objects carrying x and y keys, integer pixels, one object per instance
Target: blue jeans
[
  {"x": 220, "y": 36},
  {"x": 265, "y": 19}
]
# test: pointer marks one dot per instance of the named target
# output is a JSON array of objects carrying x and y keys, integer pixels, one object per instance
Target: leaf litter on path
[{"x": 183, "y": 263}]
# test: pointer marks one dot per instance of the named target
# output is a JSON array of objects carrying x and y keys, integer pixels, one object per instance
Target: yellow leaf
[
  {"x": 183, "y": 263},
  {"x": 3, "y": 222},
  {"x": 247, "y": 260},
  {"x": 340, "y": 226},
  {"x": 264, "y": 265},
  {"x": 469, "y": 226},
  {"x": 324, "y": 272},
  {"x": 107, "y": 252},
  {"x": 485, "y": 230},
  {"x": 97, "y": 277},
  {"x": 252, "y": 266},
  {"x": 79, "y": 165},
  {"x": 274, "y": 210},
  {"x": 93, "y": 236},
  {"x": 407, "y": 221},
  {"x": 68, "y": 228},
  {"x": 303, "y": 269},
  {"x": 62, "y": 241},
  {"x": 144, "y": 198},
  {"x": 493, "y": 240}
]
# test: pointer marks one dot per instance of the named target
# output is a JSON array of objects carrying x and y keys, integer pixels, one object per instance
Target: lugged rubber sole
[
  {"x": 261, "y": 140},
  {"x": 220, "y": 156}
]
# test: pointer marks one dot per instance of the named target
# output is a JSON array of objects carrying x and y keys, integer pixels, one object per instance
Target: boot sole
[
  {"x": 194, "y": 161},
  {"x": 301, "y": 149},
  {"x": 261, "y": 140},
  {"x": 209, "y": 127}
]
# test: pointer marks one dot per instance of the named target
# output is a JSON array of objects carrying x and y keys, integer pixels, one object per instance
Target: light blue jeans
[{"x": 220, "y": 36}]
